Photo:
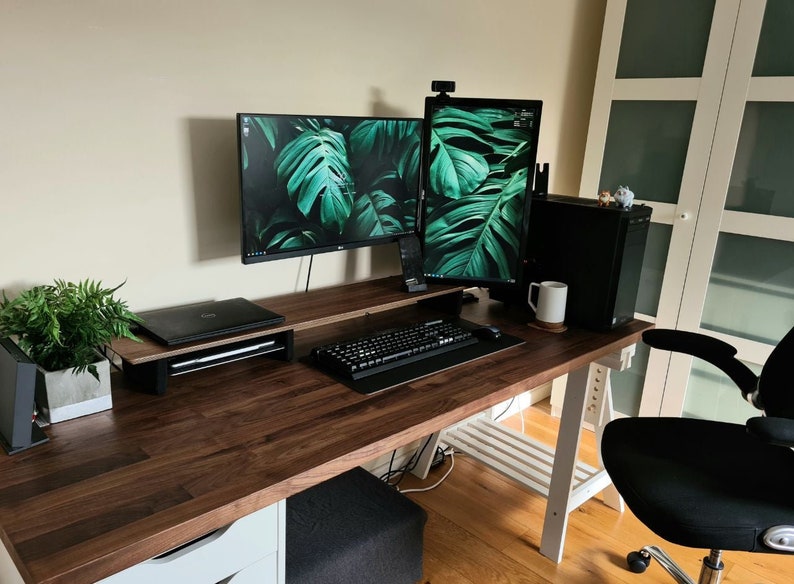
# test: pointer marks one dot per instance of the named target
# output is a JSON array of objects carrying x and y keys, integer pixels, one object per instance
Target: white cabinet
[
  {"x": 249, "y": 550},
  {"x": 694, "y": 110}
]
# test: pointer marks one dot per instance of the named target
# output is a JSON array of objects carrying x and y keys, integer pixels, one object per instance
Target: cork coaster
[{"x": 556, "y": 327}]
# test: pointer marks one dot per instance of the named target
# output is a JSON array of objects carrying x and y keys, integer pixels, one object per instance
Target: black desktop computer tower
[{"x": 597, "y": 251}]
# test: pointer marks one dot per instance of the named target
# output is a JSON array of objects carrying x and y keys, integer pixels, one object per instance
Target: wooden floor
[{"x": 484, "y": 529}]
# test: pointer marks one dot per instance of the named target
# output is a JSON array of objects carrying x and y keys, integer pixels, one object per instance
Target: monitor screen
[
  {"x": 312, "y": 184},
  {"x": 480, "y": 161}
]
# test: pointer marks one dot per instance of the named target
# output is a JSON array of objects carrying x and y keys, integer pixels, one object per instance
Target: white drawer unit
[
  {"x": 250, "y": 549},
  {"x": 265, "y": 571}
]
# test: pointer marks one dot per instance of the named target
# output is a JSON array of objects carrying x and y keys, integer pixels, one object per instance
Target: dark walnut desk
[{"x": 113, "y": 489}]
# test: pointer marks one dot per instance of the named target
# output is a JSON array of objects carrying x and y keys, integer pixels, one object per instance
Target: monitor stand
[
  {"x": 412, "y": 263},
  {"x": 469, "y": 297}
]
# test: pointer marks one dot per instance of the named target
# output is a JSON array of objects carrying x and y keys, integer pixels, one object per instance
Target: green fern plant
[{"x": 61, "y": 325}]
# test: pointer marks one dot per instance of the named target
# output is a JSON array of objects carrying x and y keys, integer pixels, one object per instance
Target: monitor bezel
[
  {"x": 330, "y": 247},
  {"x": 442, "y": 100}
]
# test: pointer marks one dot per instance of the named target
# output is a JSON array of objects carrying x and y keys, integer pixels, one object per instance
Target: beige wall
[{"x": 117, "y": 140}]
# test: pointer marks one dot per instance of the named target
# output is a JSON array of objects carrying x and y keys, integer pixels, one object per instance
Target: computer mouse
[{"x": 487, "y": 332}]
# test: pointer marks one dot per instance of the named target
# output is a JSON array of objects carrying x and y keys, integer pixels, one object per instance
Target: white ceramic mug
[{"x": 551, "y": 302}]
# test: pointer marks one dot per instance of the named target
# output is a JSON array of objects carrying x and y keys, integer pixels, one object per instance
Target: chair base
[{"x": 710, "y": 571}]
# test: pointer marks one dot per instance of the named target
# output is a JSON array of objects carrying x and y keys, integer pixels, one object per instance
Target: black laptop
[{"x": 204, "y": 320}]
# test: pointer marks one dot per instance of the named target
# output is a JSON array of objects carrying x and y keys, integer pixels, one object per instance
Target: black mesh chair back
[{"x": 776, "y": 383}]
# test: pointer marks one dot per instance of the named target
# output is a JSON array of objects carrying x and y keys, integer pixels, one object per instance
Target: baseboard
[
  {"x": 521, "y": 402},
  {"x": 381, "y": 465}
]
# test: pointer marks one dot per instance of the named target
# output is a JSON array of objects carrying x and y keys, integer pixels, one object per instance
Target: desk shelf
[
  {"x": 555, "y": 473},
  {"x": 521, "y": 458},
  {"x": 146, "y": 364},
  {"x": 152, "y": 375}
]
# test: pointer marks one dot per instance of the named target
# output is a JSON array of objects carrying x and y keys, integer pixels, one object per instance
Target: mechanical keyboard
[{"x": 385, "y": 350}]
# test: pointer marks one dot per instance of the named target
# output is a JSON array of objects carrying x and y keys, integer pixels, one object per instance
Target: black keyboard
[{"x": 365, "y": 356}]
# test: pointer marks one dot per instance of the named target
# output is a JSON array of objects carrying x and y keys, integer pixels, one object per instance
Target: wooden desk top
[{"x": 116, "y": 488}]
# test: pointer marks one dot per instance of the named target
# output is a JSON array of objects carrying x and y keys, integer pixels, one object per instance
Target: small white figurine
[{"x": 624, "y": 197}]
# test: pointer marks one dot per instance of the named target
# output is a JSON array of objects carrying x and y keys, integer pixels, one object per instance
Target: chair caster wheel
[{"x": 638, "y": 561}]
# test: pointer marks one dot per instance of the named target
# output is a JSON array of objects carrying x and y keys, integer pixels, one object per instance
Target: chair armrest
[
  {"x": 777, "y": 431},
  {"x": 717, "y": 352}
]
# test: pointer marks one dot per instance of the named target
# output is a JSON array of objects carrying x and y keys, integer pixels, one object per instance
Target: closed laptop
[{"x": 204, "y": 320}]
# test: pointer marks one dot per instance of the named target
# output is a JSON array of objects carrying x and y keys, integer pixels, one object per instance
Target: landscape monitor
[
  {"x": 479, "y": 169},
  {"x": 313, "y": 184}
]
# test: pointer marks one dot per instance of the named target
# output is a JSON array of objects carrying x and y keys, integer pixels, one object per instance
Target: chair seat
[{"x": 673, "y": 478}]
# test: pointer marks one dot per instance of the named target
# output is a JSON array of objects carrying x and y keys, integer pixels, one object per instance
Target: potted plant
[{"x": 61, "y": 327}]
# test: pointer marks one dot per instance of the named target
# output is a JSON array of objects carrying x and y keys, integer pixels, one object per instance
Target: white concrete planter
[{"x": 62, "y": 395}]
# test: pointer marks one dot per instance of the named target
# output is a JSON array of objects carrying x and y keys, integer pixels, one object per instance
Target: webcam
[{"x": 443, "y": 86}]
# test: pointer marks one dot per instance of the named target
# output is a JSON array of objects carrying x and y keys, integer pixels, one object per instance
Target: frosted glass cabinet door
[
  {"x": 655, "y": 104},
  {"x": 747, "y": 295},
  {"x": 664, "y": 38},
  {"x": 775, "y": 54},
  {"x": 762, "y": 180},
  {"x": 693, "y": 108},
  {"x": 751, "y": 288},
  {"x": 646, "y": 148}
]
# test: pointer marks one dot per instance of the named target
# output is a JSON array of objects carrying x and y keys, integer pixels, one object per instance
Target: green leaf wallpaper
[
  {"x": 476, "y": 190},
  {"x": 309, "y": 182}
]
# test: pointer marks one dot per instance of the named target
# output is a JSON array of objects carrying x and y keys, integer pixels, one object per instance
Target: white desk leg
[
  {"x": 605, "y": 413},
  {"x": 556, "y": 522},
  {"x": 600, "y": 412},
  {"x": 422, "y": 467}
]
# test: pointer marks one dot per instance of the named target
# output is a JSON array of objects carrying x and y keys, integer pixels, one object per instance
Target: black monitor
[
  {"x": 479, "y": 160},
  {"x": 312, "y": 184}
]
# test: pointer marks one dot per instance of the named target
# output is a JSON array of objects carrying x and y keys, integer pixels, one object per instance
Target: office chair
[{"x": 709, "y": 484}]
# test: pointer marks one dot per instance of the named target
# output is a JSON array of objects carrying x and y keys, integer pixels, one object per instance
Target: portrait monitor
[
  {"x": 312, "y": 184},
  {"x": 479, "y": 161}
]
